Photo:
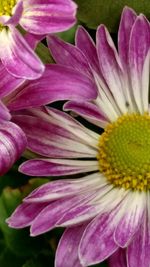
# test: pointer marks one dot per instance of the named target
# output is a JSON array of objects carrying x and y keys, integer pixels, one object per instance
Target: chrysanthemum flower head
[
  {"x": 36, "y": 17},
  {"x": 106, "y": 210}
]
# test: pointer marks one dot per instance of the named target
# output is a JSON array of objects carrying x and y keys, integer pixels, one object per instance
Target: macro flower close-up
[
  {"x": 103, "y": 196},
  {"x": 36, "y": 17}
]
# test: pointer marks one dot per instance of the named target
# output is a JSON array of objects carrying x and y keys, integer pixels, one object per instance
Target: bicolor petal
[
  {"x": 68, "y": 55},
  {"x": 47, "y": 17},
  {"x": 138, "y": 250},
  {"x": 12, "y": 144},
  {"x": 49, "y": 88},
  {"x": 25, "y": 214},
  {"x": 85, "y": 43},
  {"x": 139, "y": 48},
  {"x": 56, "y": 167},
  {"x": 88, "y": 111},
  {"x": 68, "y": 247},
  {"x": 110, "y": 66},
  {"x": 127, "y": 21},
  {"x": 18, "y": 57},
  {"x": 93, "y": 249}
]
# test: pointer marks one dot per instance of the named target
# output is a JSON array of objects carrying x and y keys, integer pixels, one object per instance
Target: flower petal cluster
[
  {"x": 17, "y": 94},
  {"x": 36, "y": 17},
  {"x": 103, "y": 221}
]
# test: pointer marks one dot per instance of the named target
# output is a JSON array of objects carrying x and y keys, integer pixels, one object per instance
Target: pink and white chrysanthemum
[
  {"x": 106, "y": 210},
  {"x": 38, "y": 17}
]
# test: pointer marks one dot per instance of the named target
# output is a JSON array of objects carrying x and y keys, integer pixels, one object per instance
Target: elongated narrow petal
[
  {"x": 68, "y": 55},
  {"x": 68, "y": 247},
  {"x": 129, "y": 223},
  {"x": 110, "y": 66},
  {"x": 88, "y": 111},
  {"x": 138, "y": 250},
  {"x": 51, "y": 140},
  {"x": 97, "y": 242},
  {"x": 49, "y": 88},
  {"x": 48, "y": 217},
  {"x": 85, "y": 43},
  {"x": 17, "y": 56},
  {"x": 138, "y": 50},
  {"x": 61, "y": 188},
  {"x": 80, "y": 214},
  {"x": 12, "y": 144},
  {"x": 127, "y": 20},
  {"x": 44, "y": 167},
  {"x": 25, "y": 214},
  {"x": 47, "y": 17}
]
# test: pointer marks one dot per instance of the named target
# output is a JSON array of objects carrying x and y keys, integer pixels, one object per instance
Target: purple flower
[
  {"x": 38, "y": 17},
  {"x": 105, "y": 210}
]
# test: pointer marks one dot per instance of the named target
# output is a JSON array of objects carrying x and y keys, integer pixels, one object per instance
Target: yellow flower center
[
  {"x": 124, "y": 152},
  {"x": 6, "y": 7}
]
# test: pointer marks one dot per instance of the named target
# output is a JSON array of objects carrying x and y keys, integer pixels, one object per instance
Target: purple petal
[
  {"x": 85, "y": 43},
  {"x": 88, "y": 208},
  {"x": 127, "y": 20},
  {"x": 138, "y": 52},
  {"x": 80, "y": 214},
  {"x": 33, "y": 39},
  {"x": 48, "y": 167},
  {"x": 17, "y": 56},
  {"x": 131, "y": 220},
  {"x": 88, "y": 111},
  {"x": 48, "y": 217},
  {"x": 8, "y": 83},
  {"x": 4, "y": 112},
  {"x": 68, "y": 55},
  {"x": 47, "y": 17},
  {"x": 69, "y": 127},
  {"x": 118, "y": 259},
  {"x": 63, "y": 188},
  {"x": 111, "y": 66},
  {"x": 68, "y": 248},
  {"x": 49, "y": 88},
  {"x": 12, "y": 145},
  {"x": 15, "y": 18},
  {"x": 49, "y": 139},
  {"x": 97, "y": 242},
  {"x": 138, "y": 251},
  {"x": 25, "y": 214}
]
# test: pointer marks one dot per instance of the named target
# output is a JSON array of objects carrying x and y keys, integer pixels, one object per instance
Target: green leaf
[
  {"x": 33, "y": 263},
  {"x": 68, "y": 36},
  {"x": 44, "y": 53},
  {"x": 8, "y": 259},
  {"x": 43, "y": 259},
  {"x": 8, "y": 201},
  {"x": 94, "y": 12},
  {"x": 18, "y": 241}
]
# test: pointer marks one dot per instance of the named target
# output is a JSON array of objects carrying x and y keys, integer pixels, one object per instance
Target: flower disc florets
[
  {"x": 6, "y": 7},
  {"x": 124, "y": 152}
]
